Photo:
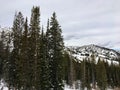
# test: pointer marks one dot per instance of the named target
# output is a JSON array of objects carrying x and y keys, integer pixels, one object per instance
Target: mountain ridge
[{"x": 86, "y": 51}]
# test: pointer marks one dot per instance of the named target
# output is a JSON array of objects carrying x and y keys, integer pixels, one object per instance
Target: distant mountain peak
[{"x": 79, "y": 53}]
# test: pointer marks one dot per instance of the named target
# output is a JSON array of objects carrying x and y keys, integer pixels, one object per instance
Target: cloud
[{"x": 82, "y": 21}]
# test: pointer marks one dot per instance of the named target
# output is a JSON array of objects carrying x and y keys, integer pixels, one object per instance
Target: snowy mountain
[{"x": 80, "y": 53}]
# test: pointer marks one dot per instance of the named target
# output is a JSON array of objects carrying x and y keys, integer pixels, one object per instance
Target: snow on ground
[
  {"x": 3, "y": 87},
  {"x": 66, "y": 88}
]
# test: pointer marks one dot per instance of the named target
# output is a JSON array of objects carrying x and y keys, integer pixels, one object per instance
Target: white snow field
[
  {"x": 66, "y": 88},
  {"x": 3, "y": 87}
]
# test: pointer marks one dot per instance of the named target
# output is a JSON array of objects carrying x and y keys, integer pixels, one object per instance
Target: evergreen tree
[
  {"x": 112, "y": 75},
  {"x": 17, "y": 29},
  {"x": 88, "y": 81},
  {"x": 117, "y": 80},
  {"x": 83, "y": 75},
  {"x": 34, "y": 35},
  {"x": 108, "y": 73},
  {"x": 2, "y": 53},
  {"x": 101, "y": 75},
  {"x": 93, "y": 73},
  {"x": 6, "y": 62},
  {"x": 66, "y": 67},
  {"x": 42, "y": 65},
  {"x": 71, "y": 76},
  {"x": 55, "y": 52},
  {"x": 24, "y": 58}
]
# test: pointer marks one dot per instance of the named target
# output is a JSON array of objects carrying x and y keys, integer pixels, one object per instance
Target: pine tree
[
  {"x": 112, "y": 75},
  {"x": 83, "y": 74},
  {"x": 71, "y": 71},
  {"x": 17, "y": 29},
  {"x": 66, "y": 66},
  {"x": 93, "y": 73},
  {"x": 7, "y": 58},
  {"x": 88, "y": 81},
  {"x": 108, "y": 73},
  {"x": 5, "y": 53},
  {"x": 116, "y": 76},
  {"x": 2, "y": 53},
  {"x": 34, "y": 35},
  {"x": 55, "y": 52},
  {"x": 42, "y": 65},
  {"x": 71, "y": 76},
  {"x": 24, "y": 58},
  {"x": 101, "y": 75}
]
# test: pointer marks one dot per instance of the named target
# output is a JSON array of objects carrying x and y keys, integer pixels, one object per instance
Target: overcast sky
[{"x": 83, "y": 21}]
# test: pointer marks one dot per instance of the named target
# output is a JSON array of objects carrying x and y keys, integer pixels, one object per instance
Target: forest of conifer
[{"x": 34, "y": 58}]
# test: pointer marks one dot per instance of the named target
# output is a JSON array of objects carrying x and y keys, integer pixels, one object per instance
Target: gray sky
[{"x": 83, "y": 21}]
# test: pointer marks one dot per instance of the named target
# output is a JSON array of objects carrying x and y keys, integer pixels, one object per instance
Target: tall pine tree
[
  {"x": 55, "y": 52},
  {"x": 17, "y": 30},
  {"x": 2, "y": 53},
  {"x": 42, "y": 65},
  {"x": 34, "y": 35},
  {"x": 24, "y": 58}
]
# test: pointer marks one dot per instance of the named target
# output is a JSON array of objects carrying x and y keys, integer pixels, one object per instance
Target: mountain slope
[{"x": 80, "y": 53}]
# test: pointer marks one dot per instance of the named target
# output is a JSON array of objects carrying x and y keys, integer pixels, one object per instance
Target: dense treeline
[
  {"x": 90, "y": 73},
  {"x": 35, "y": 60},
  {"x": 32, "y": 59}
]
